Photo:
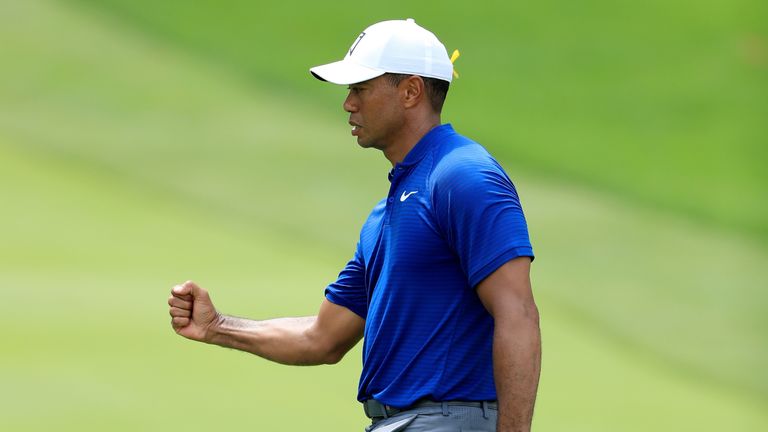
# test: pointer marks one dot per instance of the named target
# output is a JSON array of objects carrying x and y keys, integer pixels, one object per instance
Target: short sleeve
[
  {"x": 349, "y": 289},
  {"x": 479, "y": 212}
]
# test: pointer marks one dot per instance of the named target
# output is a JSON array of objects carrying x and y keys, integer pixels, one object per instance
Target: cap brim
[{"x": 344, "y": 73}]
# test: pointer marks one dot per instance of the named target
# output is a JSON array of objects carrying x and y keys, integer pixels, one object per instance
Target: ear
[{"x": 412, "y": 91}]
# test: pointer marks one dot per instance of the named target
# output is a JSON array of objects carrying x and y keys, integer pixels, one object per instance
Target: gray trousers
[{"x": 445, "y": 418}]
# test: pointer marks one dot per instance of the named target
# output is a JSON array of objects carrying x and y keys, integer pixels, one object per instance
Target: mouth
[{"x": 355, "y": 128}]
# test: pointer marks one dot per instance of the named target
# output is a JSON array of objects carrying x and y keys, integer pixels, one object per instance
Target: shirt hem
[
  {"x": 494, "y": 265},
  {"x": 340, "y": 301}
]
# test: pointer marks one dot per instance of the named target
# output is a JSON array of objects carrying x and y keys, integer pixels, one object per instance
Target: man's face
[{"x": 375, "y": 112}]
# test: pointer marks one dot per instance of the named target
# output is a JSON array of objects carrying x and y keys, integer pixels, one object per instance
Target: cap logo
[{"x": 354, "y": 45}]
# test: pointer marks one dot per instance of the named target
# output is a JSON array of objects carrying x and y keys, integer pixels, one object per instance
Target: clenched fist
[{"x": 192, "y": 312}]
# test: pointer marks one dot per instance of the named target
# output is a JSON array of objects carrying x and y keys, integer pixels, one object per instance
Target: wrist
[{"x": 214, "y": 330}]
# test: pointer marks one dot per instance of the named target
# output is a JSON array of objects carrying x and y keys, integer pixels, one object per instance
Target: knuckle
[{"x": 181, "y": 313}]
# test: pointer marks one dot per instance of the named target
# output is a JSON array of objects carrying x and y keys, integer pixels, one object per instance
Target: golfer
[{"x": 438, "y": 286}]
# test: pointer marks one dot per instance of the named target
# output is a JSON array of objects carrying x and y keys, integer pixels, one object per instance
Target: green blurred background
[{"x": 145, "y": 143}]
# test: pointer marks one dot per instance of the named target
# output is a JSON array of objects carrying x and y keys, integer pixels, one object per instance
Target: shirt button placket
[{"x": 397, "y": 173}]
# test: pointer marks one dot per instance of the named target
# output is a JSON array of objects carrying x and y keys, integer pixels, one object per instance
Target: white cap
[{"x": 398, "y": 46}]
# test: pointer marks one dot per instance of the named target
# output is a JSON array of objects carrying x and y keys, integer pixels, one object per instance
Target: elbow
[
  {"x": 522, "y": 316},
  {"x": 315, "y": 356},
  {"x": 333, "y": 357},
  {"x": 532, "y": 313},
  {"x": 531, "y": 316},
  {"x": 327, "y": 352}
]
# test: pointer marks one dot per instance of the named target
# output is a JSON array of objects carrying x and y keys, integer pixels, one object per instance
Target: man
[{"x": 439, "y": 283}]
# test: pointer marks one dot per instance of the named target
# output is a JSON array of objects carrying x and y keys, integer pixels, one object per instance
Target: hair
[{"x": 436, "y": 89}]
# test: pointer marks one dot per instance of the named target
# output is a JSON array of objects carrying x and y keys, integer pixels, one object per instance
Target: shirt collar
[
  {"x": 426, "y": 142},
  {"x": 417, "y": 153}
]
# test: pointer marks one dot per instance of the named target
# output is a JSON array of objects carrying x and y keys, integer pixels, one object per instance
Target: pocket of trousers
[{"x": 397, "y": 426}]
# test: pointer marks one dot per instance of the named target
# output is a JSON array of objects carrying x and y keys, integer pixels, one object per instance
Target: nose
[{"x": 350, "y": 104}]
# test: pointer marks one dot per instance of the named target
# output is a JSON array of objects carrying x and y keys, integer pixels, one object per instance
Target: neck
[{"x": 409, "y": 136}]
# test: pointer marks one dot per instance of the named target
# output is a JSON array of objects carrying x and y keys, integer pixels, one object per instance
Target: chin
[
  {"x": 363, "y": 143},
  {"x": 369, "y": 143}
]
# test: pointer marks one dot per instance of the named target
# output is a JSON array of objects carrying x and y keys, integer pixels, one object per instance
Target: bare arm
[
  {"x": 320, "y": 339},
  {"x": 507, "y": 296}
]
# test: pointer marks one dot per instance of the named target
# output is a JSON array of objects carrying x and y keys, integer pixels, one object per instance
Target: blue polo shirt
[{"x": 451, "y": 218}]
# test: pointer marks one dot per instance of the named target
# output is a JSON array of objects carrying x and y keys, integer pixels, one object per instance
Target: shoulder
[{"x": 463, "y": 162}]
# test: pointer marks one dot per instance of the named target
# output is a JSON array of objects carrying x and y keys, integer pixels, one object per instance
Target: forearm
[
  {"x": 282, "y": 340},
  {"x": 516, "y": 366}
]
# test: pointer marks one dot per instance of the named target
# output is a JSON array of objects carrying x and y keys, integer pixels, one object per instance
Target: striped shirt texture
[{"x": 451, "y": 218}]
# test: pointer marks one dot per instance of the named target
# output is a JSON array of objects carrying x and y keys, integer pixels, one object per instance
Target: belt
[{"x": 375, "y": 409}]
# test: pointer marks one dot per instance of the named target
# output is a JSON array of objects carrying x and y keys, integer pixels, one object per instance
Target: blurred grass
[
  {"x": 127, "y": 166},
  {"x": 87, "y": 344},
  {"x": 659, "y": 102}
]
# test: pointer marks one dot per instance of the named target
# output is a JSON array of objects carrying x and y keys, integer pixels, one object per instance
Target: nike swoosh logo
[{"x": 405, "y": 196}]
